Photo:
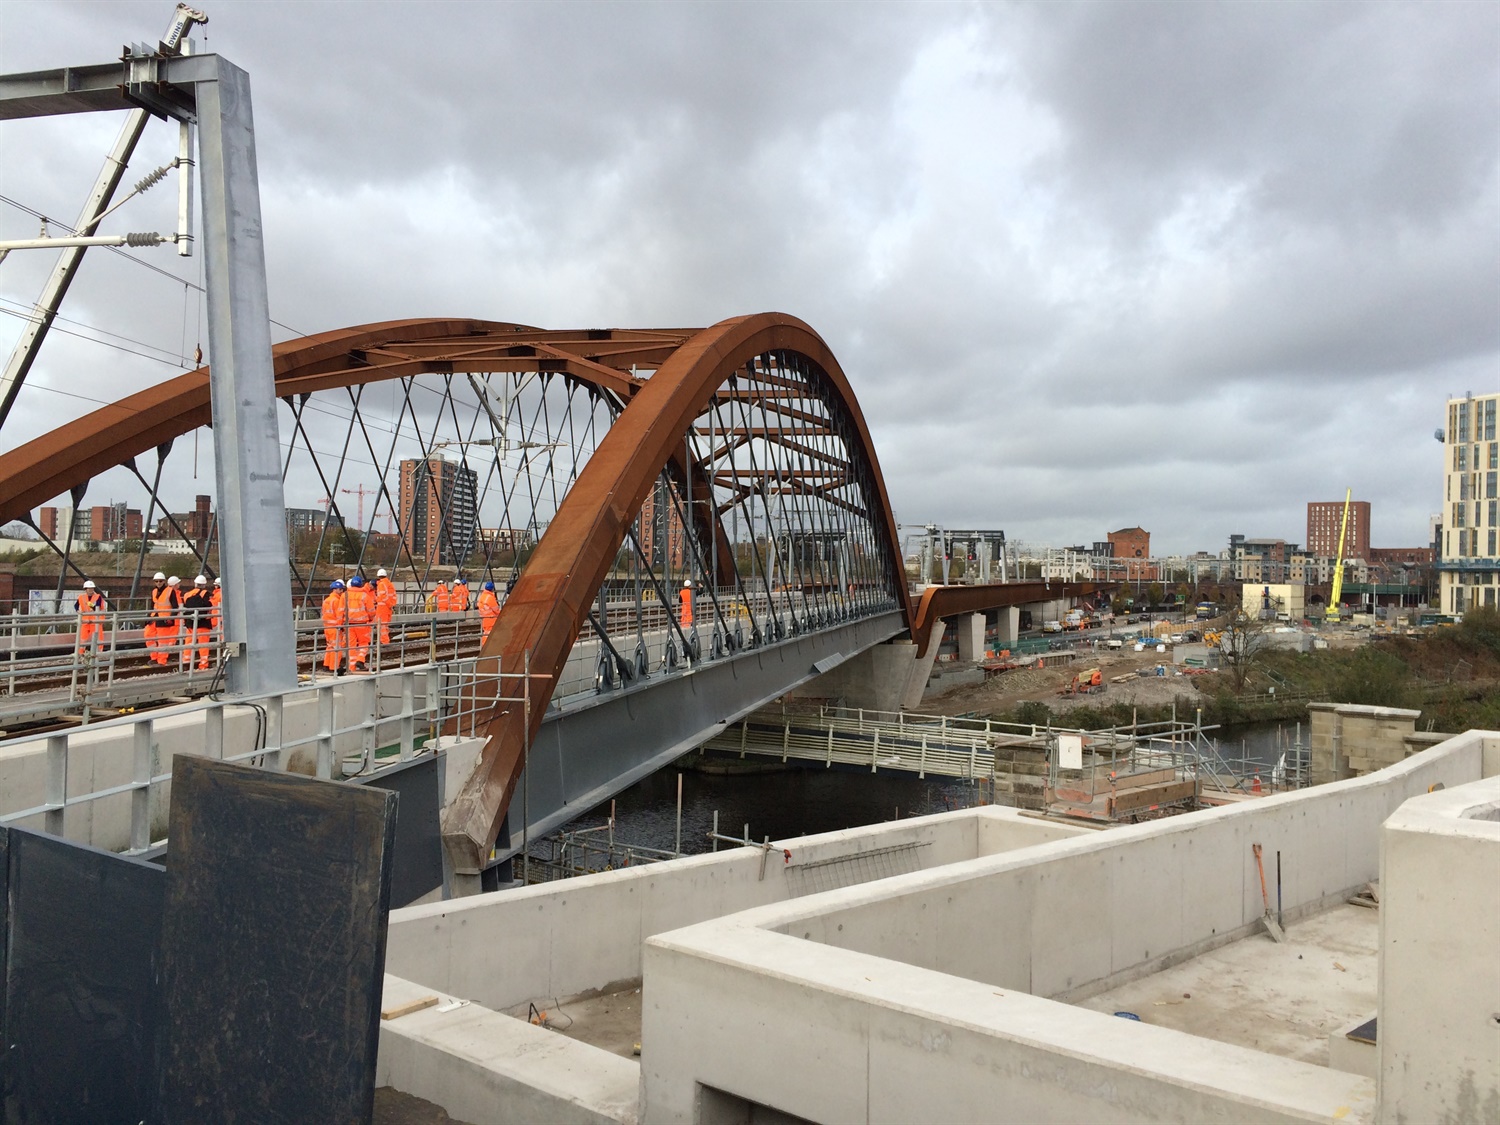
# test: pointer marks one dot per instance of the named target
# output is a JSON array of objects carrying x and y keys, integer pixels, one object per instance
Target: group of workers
[
  {"x": 350, "y": 613},
  {"x": 189, "y": 620},
  {"x": 177, "y": 624},
  {"x": 183, "y": 622},
  {"x": 351, "y": 609}
]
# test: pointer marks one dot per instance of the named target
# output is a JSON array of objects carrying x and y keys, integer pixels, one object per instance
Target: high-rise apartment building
[
  {"x": 1469, "y": 561},
  {"x": 439, "y": 510},
  {"x": 1325, "y": 519}
]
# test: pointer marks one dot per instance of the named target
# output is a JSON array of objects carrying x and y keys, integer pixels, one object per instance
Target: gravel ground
[{"x": 1006, "y": 690}]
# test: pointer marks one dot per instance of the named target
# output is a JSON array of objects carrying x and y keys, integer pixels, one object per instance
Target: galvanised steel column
[{"x": 247, "y": 460}]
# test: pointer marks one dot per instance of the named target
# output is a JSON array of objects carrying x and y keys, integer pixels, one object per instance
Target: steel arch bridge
[{"x": 591, "y": 474}]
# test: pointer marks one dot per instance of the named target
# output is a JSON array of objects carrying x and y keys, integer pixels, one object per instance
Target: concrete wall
[
  {"x": 102, "y": 756},
  {"x": 562, "y": 939},
  {"x": 1077, "y": 916},
  {"x": 913, "y": 998},
  {"x": 484, "y": 1067},
  {"x": 829, "y": 1035},
  {"x": 1438, "y": 1036}
]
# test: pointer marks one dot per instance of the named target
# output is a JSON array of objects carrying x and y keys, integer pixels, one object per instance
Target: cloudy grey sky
[{"x": 1185, "y": 266}]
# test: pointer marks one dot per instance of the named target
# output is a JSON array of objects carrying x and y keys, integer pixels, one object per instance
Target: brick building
[
  {"x": 1133, "y": 545},
  {"x": 1324, "y": 520},
  {"x": 663, "y": 538}
]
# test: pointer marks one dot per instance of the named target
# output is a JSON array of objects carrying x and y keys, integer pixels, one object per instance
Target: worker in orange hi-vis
[
  {"x": 162, "y": 620},
  {"x": 217, "y": 598},
  {"x": 458, "y": 600},
  {"x": 335, "y": 623},
  {"x": 169, "y": 629},
  {"x": 197, "y": 621},
  {"x": 685, "y": 604},
  {"x": 361, "y": 608},
  {"x": 385, "y": 604},
  {"x": 91, "y": 610},
  {"x": 441, "y": 597},
  {"x": 489, "y": 610}
]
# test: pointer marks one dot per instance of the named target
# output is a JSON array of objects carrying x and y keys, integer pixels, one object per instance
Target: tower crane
[
  {"x": 1338, "y": 566},
  {"x": 361, "y": 492}
]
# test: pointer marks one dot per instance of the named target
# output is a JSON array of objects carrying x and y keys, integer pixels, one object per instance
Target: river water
[{"x": 797, "y": 802}]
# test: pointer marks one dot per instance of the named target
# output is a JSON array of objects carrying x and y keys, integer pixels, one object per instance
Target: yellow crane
[{"x": 1338, "y": 567}]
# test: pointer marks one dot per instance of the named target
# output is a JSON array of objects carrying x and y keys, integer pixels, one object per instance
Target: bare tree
[{"x": 1242, "y": 643}]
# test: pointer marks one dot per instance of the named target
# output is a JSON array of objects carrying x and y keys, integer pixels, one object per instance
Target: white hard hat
[
  {"x": 200, "y": 581},
  {"x": 158, "y": 577},
  {"x": 89, "y": 585},
  {"x": 687, "y": 581},
  {"x": 174, "y": 581},
  {"x": 218, "y": 581},
  {"x": 380, "y": 573}
]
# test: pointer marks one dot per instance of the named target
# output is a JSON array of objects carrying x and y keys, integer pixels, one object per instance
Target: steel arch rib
[
  {"x": 542, "y": 617},
  {"x": 75, "y": 452}
]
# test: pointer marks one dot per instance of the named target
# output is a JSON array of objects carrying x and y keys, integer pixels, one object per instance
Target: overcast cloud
[{"x": 1186, "y": 266}]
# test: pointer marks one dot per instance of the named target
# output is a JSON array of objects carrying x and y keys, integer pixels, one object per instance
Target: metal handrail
[{"x": 455, "y": 695}]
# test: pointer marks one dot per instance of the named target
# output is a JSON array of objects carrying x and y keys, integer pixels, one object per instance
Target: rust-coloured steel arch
[
  {"x": 75, "y": 452},
  {"x": 543, "y": 615}
]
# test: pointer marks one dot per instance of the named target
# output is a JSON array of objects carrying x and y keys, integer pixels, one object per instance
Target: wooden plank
[{"x": 408, "y": 1008}]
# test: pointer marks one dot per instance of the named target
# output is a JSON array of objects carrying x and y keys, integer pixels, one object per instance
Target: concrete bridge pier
[
  {"x": 875, "y": 679},
  {"x": 1008, "y": 627},
  {"x": 971, "y": 637},
  {"x": 921, "y": 670}
]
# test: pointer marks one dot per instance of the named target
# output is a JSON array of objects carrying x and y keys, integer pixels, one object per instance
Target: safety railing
[{"x": 341, "y": 733}]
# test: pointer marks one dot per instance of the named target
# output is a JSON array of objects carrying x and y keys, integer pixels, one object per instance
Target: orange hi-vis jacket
[
  {"x": 91, "y": 607},
  {"x": 385, "y": 598},
  {"x": 489, "y": 604},
  {"x": 164, "y": 605},
  {"x": 335, "y": 609},
  {"x": 361, "y": 605},
  {"x": 459, "y": 599},
  {"x": 217, "y": 598},
  {"x": 440, "y": 597}
]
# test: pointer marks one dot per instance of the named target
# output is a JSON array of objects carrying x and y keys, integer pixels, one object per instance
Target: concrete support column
[
  {"x": 971, "y": 638},
  {"x": 921, "y": 670},
  {"x": 1009, "y": 626}
]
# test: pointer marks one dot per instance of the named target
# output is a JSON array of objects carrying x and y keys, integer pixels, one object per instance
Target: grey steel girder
[{"x": 588, "y": 752}]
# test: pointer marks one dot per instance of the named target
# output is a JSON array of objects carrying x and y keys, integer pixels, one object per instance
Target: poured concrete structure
[{"x": 949, "y": 988}]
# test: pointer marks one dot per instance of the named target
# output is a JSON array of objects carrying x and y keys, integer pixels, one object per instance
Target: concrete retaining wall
[
  {"x": 484, "y": 1067},
  {"x": 911, "y": 998},
  {"x": 1438, "y": 1036},
  {"x": 830, "y": 1035},
  {"x": 1078, "y": 916},
  {"x": 562, "y": 939}
]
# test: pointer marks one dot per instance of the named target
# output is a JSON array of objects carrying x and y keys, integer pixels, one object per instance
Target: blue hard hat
[
  {"x": 336, "y": 584},
  {"x": 489, "y": 585},
  {"x": 356, "y": 581}
]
